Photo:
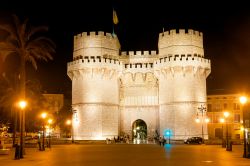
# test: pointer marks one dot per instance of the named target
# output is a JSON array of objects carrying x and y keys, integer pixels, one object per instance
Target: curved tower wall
[
  {"x": 181, "y": 42},
  {"x": 95, "y": 90},
  {"x": 182, "y": 83},
  {"x": 95, "y": 44}
]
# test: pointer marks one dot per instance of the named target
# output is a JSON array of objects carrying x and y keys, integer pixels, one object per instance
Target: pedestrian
[
  {"x": 160, "y": 140},
  {"x": 47, "y": 143},
  {"x": 164, "y": 141},
  {"x": 39, "y": 144}
]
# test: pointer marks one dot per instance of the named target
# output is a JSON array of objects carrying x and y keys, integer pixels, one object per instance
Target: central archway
[{"x": 139, "y": 131}]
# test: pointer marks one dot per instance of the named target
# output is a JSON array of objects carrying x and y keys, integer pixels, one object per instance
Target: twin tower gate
[{"x": 138, "y": 93}]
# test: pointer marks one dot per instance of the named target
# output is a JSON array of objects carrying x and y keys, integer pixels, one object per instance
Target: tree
[
  {"x": 64, "y": 114},
  {"x": 26, "y": 43},
  {"x": 9, "y": 90}
]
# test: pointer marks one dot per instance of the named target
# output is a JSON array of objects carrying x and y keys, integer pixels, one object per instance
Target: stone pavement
[{"x": 129, "y": 155}]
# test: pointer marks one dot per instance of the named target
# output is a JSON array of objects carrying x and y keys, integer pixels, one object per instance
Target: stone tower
[
  {"x": 113, "y": 92},
  {"x": 182, "y": 72},
  {"x": 95, "y": 88}
]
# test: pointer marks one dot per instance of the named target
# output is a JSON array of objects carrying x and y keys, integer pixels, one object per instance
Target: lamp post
[
  {"x": 22, "y": 104},
  {"x": 226, "y": 115},
  {"x": 43, "y": 115},
  {"x": 49, "y": 131},
  {"x": 222, "y": 120},
  {"x": 202, "y": 110},
  {"x": 69, "y": 123},
  {"x": 243, "y": 101}
]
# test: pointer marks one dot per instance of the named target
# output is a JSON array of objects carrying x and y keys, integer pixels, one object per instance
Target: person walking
[{"x": 39, "y": 144}]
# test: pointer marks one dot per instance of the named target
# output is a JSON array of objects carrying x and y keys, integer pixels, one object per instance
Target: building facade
[
  {"x": 138, "y": 93},
  {"x": 231, "y": 125}
]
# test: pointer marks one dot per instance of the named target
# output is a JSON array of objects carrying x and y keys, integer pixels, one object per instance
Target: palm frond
[
  {"x": 10, "y": 30},
  {"x": 31, "y": 58},
  {"x": 35, "y": 30}
]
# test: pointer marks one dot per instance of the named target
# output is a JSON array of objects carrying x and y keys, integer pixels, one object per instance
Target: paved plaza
[{"x": 129, "y": 155}]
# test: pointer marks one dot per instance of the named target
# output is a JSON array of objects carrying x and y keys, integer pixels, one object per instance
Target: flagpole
[
  {"x": 113, "y": 22},
  {"x": 113, "y": 29}
]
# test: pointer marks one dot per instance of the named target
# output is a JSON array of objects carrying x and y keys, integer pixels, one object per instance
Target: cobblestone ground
[{"x": 129, "y": 155}]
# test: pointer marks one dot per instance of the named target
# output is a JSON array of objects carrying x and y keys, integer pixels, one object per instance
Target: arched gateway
[{"x": 139, "y": 130}]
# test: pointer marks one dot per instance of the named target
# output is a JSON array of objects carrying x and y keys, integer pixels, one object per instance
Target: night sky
[{"x": 226, "y": 29}]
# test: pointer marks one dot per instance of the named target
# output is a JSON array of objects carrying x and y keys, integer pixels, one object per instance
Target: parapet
[
  {"x": 95, "y": 34},
  {"x": 138, "y": 54},
  {"x": 190, "y": 32},
  {"x": 180, "y": 41},
  {"x": 92, "y": 41},
  {"x": 96, "y": 62},
  {"x": 182, "y": 60},
  {"x": 139, "y": 66}
]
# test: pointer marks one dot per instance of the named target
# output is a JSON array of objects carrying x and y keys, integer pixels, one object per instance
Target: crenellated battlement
[
  {"x": 95, "y": 34},
  {"x": 139, "y": 66},
  {"x": 187, "y": 60},
  {"x": 96, "y": 44},
  {"x": 138, "y": 53},
  {"x": 180, "y": 42},
  {"x": 170, "y": 58},
  {"x": 95, "y": 61},
  {"x": 189, "y": 32}
]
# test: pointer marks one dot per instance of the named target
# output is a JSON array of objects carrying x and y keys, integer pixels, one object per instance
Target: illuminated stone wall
[
  {"x": 95, "y": 44},
  {"x": 182, "y": 72},
  {"x": 95, "y": 86},
  {"x": 111, "y": 91},
  {"x": 139, "y": 99}
]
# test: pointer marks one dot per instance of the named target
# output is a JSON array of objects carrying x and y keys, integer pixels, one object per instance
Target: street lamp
[
  {"x": 222, "y": 120},
  {"x": 202, "y": 110},
  {"x": 226, "y": 115},
  {"x": 243, "y": 101},
  {"x": 43, "y": 115},
  {"x": 22, "y": 105},
  {"x": 69, "y": 123},
  {"x": 49, "y": 131}
]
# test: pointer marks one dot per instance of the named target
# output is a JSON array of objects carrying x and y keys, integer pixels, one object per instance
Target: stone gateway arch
[{"x": 112, "y": 89}]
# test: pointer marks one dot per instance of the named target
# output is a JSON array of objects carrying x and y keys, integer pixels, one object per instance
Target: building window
[
  {"x": 225, "y": 105},
  {"x": 217, "y": 107},
  {"x": 237, "y": 126},
  {"x": 218, "y": 133},
  {"x": 216, "y": 119},
  {"x": 247, "y": 123},
  {"x": 236, "y": 106},
  {"x": 237, "y": 118},
  {"x": 209, "y": 108},
  {"x": 237, "y": 136}
]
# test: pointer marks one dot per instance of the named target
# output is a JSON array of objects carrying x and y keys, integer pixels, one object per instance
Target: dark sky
[{"x": 226, "y": 29}]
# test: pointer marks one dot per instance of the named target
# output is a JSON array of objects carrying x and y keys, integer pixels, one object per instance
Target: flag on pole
[{"x": 115, "y": 18}]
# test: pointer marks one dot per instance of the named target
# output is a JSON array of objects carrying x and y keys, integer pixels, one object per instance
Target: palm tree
[{"x": 26, "y": 43}]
